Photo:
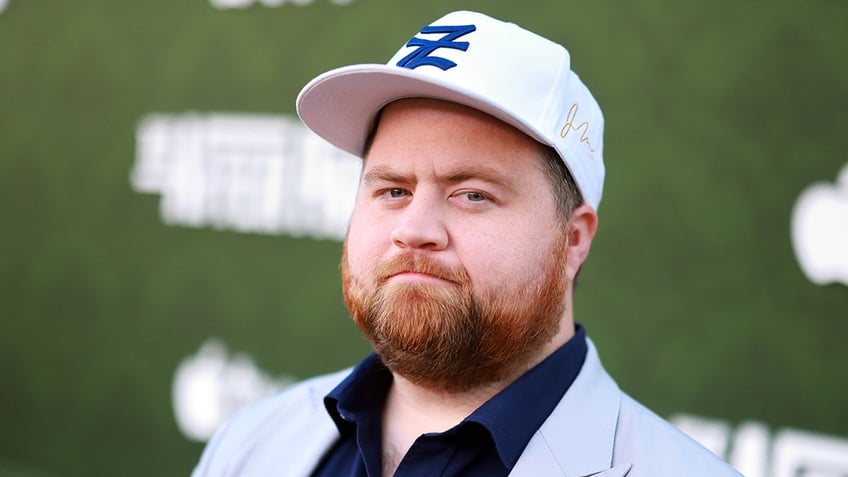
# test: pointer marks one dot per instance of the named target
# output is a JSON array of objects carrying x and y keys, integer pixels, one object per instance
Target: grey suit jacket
[{"x": 595, "y": 430}]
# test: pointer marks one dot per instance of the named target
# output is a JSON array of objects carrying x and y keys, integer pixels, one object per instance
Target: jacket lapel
[
  {"x": 617, "y": 471},
  {"x": 578, "y": 437}
]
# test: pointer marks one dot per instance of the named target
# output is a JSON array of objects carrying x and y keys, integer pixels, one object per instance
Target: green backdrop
[{"x": 718, "y": 115}]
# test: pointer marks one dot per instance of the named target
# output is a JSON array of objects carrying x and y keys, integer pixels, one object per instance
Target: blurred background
[{"x": 170, "y": 233}]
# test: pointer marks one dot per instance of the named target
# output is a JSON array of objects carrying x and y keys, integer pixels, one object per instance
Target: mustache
[{"x": 412, "y": 262}]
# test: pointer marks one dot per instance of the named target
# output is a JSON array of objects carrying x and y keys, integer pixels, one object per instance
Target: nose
[{"x": 420, "y": 225}]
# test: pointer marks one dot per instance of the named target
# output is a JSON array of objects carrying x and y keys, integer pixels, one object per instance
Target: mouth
[{"x": 412, "y": 276}]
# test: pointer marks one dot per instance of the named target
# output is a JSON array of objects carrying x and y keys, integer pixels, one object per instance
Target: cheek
[
  {"x": 364, "y": 244},
  {"x": 516, "y": 255},
  {"x": 485, "y": 258}
]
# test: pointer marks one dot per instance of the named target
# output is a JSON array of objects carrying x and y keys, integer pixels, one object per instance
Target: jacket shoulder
[
  {"x": 245, "y": 440},
  {"x": 656, "y": 448}
]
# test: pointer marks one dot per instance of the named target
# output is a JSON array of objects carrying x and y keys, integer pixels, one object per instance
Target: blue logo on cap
[{"x": 421, "y": 55}]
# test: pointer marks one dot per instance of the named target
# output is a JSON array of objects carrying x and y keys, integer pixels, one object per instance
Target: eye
[
  {"x": 396, "y": 192},
  {"x": 475, "y": 196},
  {"x": 472, "y": 199},
  {"x": 392, "y": 193}
]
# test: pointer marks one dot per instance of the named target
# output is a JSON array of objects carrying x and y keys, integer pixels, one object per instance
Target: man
[{"x": 482, "y": 174}]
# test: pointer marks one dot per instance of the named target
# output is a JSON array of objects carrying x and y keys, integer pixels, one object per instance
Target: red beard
[{"x": 444, "y": 336}]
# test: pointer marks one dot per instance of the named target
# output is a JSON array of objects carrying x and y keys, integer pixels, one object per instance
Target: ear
[{"x": 581, "y": 230}]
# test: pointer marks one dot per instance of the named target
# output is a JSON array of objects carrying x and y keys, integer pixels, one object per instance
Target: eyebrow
[
  {"x": 462, "y": 174},
  {"x": 383, "y": 174}
]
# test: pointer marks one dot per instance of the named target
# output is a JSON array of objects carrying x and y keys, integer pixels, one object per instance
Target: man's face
[{"x": 454, "y": 263}]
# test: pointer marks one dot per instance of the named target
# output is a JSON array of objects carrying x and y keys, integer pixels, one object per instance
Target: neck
[
  {"x": 412, "y": 409},
  {"x": 433, "y": 410}
]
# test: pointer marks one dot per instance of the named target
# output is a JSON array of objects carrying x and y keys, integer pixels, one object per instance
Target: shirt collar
[
  {"x": 510, "y": 416},
  {"x": 513, "y": 415},
  {"x": 362, "y": 393}
]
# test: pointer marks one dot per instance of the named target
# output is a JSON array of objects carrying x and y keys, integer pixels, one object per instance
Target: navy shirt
[{"x": 486, "y": 443}]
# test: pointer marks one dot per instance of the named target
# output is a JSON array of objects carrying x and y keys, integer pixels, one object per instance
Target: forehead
[{"x": 441, "y": 134}]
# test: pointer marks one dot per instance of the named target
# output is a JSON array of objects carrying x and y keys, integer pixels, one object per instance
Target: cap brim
[{"x": 341, "y": 105}]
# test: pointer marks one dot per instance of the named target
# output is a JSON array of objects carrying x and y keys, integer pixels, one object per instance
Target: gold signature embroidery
[{"x": 569, "y": 126}]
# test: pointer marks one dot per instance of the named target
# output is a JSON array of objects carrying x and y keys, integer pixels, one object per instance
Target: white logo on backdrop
[
  {"x": 228, "y": 4},
  {"x": 249, "y": 173},
  {"x": 820, "y": 231},
  {"x": 213, "y": 383},
  {"x": 756, "y": 452}
]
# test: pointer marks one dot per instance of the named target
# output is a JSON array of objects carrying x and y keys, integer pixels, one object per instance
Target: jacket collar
[{"x": 578, "y": 437}]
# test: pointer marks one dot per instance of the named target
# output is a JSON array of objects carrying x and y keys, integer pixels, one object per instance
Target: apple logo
[
  {"x": 210, "y": 385},
  {"x": 820, "y": 231}
]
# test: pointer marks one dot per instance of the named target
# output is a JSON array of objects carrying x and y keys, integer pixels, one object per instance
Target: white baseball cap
[{"x": 472, "y": 59}]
